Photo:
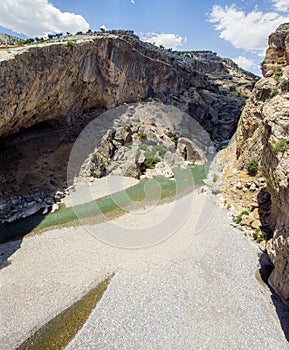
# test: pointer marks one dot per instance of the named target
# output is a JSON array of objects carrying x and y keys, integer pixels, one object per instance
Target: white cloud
[
  {"x": 247, "y": 31},
  {"x": 245, "y": 63},
  {"x": 133, "y": 2},
  {"x": 173, "y": 41},
  {"x": 38, "y": 17},
  {"x": 281, "y": 5}
]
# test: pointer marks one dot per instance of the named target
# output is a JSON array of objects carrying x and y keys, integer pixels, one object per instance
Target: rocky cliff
[
  {"x": 255, "y": 166},
  {"x": 50, "y": 90},
  {"x": 66, "y": 78}
]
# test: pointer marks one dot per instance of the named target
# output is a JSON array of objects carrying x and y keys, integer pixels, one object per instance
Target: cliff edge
[{"x": 254, "y": 169}]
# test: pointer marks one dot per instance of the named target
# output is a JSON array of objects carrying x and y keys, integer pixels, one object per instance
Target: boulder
[{"x": 190, "y": 152}]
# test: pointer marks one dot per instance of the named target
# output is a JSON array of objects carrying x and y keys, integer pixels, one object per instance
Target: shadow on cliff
[
  {"x": 282, "y": 310},
  {"x": 264, "y": 210}
]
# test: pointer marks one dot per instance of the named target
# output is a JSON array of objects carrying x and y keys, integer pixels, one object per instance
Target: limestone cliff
[
  {"x": 262, "y": 141},
  {"x": 66, "y": 78}
]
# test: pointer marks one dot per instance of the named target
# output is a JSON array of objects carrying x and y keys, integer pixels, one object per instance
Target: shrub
[
  {"x": 71, "y": 43},
  {"x": 278, "y": 73},
  {"x": 252, "y": 167},
  {"x": 175, "y": 140},
  {"x": 160, "y": 149},
  {"x": 142, "y": 135},
  {"x": 150, "y": 159},
  {"x": 281, "y": 146},
  {"x": 238, "y": 218},
  {"x": 258, "y": 235},
  {"x": 215, "y": 178},
  {"x": 274, "y": 92},
  {"x": 143, "y": 146}
]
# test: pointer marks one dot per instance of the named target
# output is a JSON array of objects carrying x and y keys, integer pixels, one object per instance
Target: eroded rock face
[
  {"x": 263, "y": 134},
  {"x": 278, "y": 52},
  {"x": 146, "y": 139},
  {"x": 61, "y": 81}
]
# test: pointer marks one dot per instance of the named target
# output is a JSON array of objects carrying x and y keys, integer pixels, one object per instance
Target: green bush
[
  {"x": 281, "y": 146},
  {"x": 258, "y": 235},
  {"x": 150, "y": 159},
  {"x": 278, "y": 73},
  {"x": 274, "y": 92},
  {"x": 160, "y": 149},
  {"x": 71, "y": 43},
  {"x": 215, "y": 178},
  {"x": 143, "y": 146},
  {"x": 252, "y": 167},
  {"x": 175, "y": 140},
  {"x": 142, "y": 135},
  {"x": 238, "y": 218}
]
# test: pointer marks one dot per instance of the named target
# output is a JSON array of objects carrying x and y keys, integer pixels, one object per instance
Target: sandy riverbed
[
  {"x": 193, "y": 288},
  {"x": 86, "y": 192}
]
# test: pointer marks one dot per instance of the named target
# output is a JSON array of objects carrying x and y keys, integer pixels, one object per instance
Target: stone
[
  {"x": 256, "y": 224},
  {"x": 163, "y": 169},
  {"x": 246, "y": 220},
  {"x": 190, "y": 151},
  {"x": 239, "y": 185},
  {"x": 54, "y": 208},
  {"x": 58, "y": 196}
]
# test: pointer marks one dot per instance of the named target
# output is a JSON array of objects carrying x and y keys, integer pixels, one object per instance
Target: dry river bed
[{"x": 193, "y": 286}]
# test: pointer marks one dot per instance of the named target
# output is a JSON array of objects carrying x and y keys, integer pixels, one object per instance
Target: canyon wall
[
  {"x": 262, "y": 136},
  {"x": 64, "y": 79},
  {"x": 49, "y": 91}
]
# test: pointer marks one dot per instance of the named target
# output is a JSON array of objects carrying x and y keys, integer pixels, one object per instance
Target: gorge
[
  {"x": 50, "y": 93},
  {"x": 51, "y": 90}
]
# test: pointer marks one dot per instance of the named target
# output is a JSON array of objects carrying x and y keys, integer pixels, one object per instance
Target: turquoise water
[{"x": 158, "y": 190}]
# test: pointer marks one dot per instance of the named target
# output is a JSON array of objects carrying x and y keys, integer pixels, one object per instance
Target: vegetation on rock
[
  {"x": 281, "y": 146},
  {"x": 252, "y": 167}
]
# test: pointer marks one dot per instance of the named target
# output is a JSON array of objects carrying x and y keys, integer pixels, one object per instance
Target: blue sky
[{"x": 234, "y": 29}]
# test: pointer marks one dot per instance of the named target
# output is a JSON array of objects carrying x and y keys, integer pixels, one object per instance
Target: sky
[{"x": 235, "y": 29}]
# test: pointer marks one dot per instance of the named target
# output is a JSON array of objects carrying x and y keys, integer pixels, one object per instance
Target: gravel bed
[{"x": 194, "y": 290}]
